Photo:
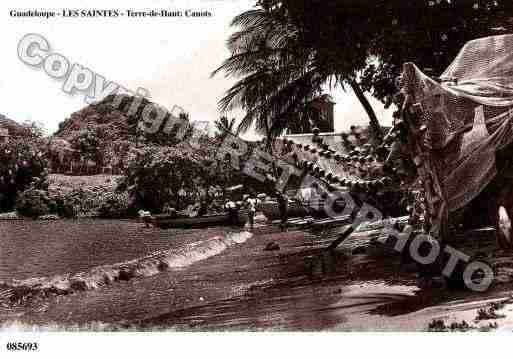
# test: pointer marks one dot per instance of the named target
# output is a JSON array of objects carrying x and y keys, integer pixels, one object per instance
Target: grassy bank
[
  {"x": 66, "y": 184},
  {"x": 86, "y": 191}
]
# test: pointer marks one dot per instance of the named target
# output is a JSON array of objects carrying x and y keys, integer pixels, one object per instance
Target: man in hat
[
  {"x": 252, "y": 202},
  {"x": 233, "y": 211}
]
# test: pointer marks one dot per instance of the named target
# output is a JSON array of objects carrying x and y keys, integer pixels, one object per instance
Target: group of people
[{"x": 250, "y": 203}]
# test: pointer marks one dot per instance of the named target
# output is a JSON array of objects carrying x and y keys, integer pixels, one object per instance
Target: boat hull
[
  {"x": 165, "y": 221},
  {"x": 271, "y": 211}
]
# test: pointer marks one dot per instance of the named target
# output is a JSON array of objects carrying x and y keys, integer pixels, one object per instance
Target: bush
[
  {"x": 183, "y": 175},
  {"x": 114, "y": 205},
  {"x": 97, "y": 201},
  {"x": 78, "y": 203},
  {"x": 170, "y": 176},
  {"x": 33, "y": 203},
  {"x": 22, "y": 166},
  {"x": 87, "y": 142},
  {"x": 67, "y": 206},
  {"x": 160, "y": 176}
]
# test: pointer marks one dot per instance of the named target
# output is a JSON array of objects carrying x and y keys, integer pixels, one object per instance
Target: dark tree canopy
[
  {"x": 286, "y": 51},
  {"x": 376, "y": 37}
]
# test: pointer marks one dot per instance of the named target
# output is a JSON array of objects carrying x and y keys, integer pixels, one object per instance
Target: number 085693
[{"x": 19, "y": 346}]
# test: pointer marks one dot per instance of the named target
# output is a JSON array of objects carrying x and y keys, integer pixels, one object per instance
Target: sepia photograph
[{"x": 254, "y": 167}]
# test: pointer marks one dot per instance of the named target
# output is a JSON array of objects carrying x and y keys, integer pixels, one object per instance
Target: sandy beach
[{"x": 244, "y": 287}]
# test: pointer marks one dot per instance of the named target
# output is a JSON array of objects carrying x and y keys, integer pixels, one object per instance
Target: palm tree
[
  {"x": 224, "y": 125},
  {"x": 278, "y": 77},
  {"x": 279, "y": 74}
]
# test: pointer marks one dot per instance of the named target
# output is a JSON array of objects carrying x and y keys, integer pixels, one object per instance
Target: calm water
[
  {"x": 46, "y": 248},
  {"x": 223, "y": 284}
]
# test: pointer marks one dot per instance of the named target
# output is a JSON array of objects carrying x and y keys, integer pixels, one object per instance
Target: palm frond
[{"x": 278, "y": 76}]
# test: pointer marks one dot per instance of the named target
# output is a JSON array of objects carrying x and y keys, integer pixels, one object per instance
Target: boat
[
  {"x": 172, "y": 221},
  {"x": 271, "y": 211},
  {"x": 314, "y": 224}
]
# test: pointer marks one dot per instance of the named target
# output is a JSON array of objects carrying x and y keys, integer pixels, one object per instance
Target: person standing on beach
[
  {"x": 233, "y": 212},
  {"x": 252, "y": 203},
  {"x": 283, "y": 208}
]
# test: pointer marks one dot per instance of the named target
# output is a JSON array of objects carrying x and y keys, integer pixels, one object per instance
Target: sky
[{"x": 170, "y": 57}]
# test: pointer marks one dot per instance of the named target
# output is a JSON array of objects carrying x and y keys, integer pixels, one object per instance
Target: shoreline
[{"x": 249, "y": 288}]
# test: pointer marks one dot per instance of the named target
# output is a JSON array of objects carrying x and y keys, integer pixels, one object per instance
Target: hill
[
  {"x": 101, "y": 137},
  {"x": 113, "y": 122}
]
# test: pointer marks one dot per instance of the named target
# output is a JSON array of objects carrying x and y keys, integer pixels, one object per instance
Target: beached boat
[
  {"x": 271, "y": 211},
  {"x": 168, "y": 221},
  {"x": 314, "y": 224}
]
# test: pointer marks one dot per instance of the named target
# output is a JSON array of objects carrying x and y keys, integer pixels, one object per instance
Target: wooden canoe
[
  {"x": 166, "y": 221},
  {"x": 295, "y": 209},
  {"x": 271, "y": 211}
]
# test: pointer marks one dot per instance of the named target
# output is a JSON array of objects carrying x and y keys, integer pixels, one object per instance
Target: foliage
[
  {"x": 116, "y": 153},
  {"x": 118, "y": 119},
  {"x": 286, "y": 50},
  {"x": 34, "y": 203},
  {"x": 98, "y": 201},
  {"x": 171, "y": 137},
  {"x": 314, "y": 116},
  {"x": 34, "y": 129},
  {"x": 281, "y": 71},
  {"x": 277, "y": 75},
  {"x": 223, "y": 126},
  {"x": 114, "y": 205},
  {"x": 77, "y": 203},
  {"x": 104, "y": 133},
  {"x": 87, "y": 142},
  {"x": 180, "y": 176},
  {"x": 438, "y": 325},
  {"x": 158, "y": 176},
  {"x": 376, "y": 37},
  {"x": 22, "y": 165}
]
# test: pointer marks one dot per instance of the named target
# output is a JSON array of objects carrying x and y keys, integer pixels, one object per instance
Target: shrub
[
  {"x": 33, "y": 203},
  {"x": 87, "y": 142},
  {"x": 78, "y": 203},
  {"x": 98, "y": 201},
  {"x": 67, "y": 206},
  {"x": 175, "y": 177},
  {"x": 114, "y": 205},
  {"x": 183, "y": 175},
  {"x": 22, "y": 166}
]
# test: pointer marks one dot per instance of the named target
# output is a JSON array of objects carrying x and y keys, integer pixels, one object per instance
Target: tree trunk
[
  {"x": 375, "y": 127},
  {"x": 269, "y": 149}
]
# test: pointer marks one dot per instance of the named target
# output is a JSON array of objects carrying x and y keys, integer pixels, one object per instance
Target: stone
[
  {"x": 359, "y": 250},
  {"x": 272, "y": 246}
]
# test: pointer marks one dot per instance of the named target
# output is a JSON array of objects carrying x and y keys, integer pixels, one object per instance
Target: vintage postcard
[{"x": 249, "y": 166}]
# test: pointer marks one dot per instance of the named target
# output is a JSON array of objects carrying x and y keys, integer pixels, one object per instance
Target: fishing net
[{"x": 467, "y": 115}]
